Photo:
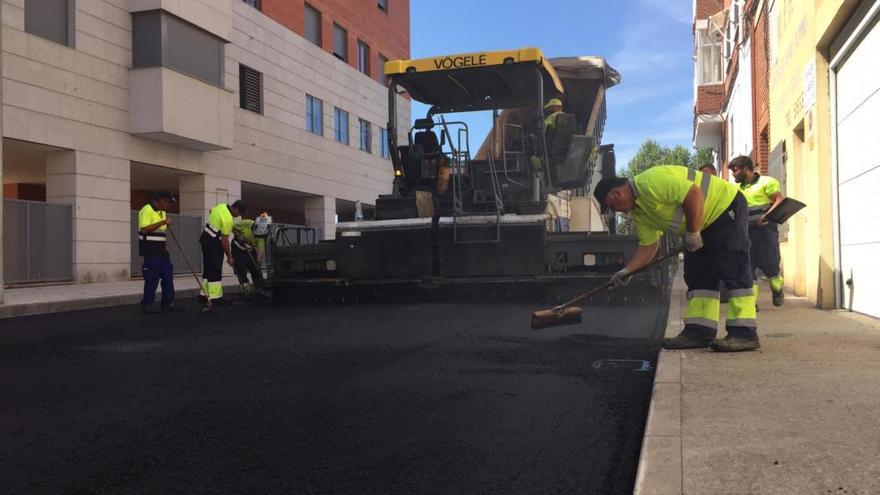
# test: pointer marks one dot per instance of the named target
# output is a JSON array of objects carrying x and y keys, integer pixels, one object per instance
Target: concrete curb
[
  {"x": 660, "y": 470},
  {"x": 39, "y": 308}
]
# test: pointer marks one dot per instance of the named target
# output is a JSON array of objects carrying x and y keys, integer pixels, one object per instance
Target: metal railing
[
  {"x": 186, "y": 229},
  {"x": 37, "y": 242}
]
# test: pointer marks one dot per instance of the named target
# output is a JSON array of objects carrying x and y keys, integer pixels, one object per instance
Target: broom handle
[
  {"x": 608, "y": 284},
  {"x": 189, "y": 265}
]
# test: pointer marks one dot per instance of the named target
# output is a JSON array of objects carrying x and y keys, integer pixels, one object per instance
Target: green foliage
[{"x": 651, "y": 154}]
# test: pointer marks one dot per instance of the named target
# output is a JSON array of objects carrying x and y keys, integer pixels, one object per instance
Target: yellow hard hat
[{"x": 553, "y": 102}]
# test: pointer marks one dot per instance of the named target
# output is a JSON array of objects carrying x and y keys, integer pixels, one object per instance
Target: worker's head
[
  {"x": 709, "y": 169},
  {"x": 742, "y": 168},
  {"x": 237, "y": 209},
  {"x": 163, "y": 200},
  {"x": 615, "y": 193},
  {"x": 553, "y": 105}
]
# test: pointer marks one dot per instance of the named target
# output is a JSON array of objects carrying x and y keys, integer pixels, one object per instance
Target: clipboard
[{"x": 785, "y": 210}]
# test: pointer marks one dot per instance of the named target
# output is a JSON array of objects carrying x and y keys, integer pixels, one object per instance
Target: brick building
[{"x": 281, "y": 103}]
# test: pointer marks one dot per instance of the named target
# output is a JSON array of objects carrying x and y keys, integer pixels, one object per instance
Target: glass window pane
[
  {"x": 340, "y": 42},
  {"x": 313, "y": 25},
  {"x": 363, "y": 57},
  {"x": 193, "y": 51},
  {"x": 47, "y": 19}
]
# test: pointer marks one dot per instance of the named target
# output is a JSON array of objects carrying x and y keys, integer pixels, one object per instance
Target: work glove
[
  {"x": 693, "y": 241},
  {"x": 620, "y": 279}
]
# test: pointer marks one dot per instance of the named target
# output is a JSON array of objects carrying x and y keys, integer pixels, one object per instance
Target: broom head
[{"x": 547, "y": 318}]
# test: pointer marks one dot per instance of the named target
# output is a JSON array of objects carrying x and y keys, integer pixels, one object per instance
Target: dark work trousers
[
  {"x": 765, "y": 248},
  {"x": 724, "y": 257},
  {"x": 154, "y": 269},
  {"x": 245, "y": 262},
  {"x": 212, "y": 257}
]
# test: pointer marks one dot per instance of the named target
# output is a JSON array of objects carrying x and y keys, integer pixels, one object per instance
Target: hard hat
[{"x": 553, "y": 102}]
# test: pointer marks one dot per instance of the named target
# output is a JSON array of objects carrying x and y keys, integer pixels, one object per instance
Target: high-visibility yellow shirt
[
  {"x": 150, "y": 215},
  {"x": 245, "y": 230},
  {"x": 760, "y": 192},
  {"x": 660, "y": 193},
  {"x": 220, "y": 219},
  {"x": 550, "y": 121}
]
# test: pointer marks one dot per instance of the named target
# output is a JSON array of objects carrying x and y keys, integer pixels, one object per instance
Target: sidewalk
[
  {"x": 72, "y": 297},
  {"x": 798, "y": 416}
]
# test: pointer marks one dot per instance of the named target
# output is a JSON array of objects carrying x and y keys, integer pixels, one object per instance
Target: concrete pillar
[
  {"x": 200, "y": 193},
  {"x": 99, "y": 189},
  {"x": 321, "y": 214}
]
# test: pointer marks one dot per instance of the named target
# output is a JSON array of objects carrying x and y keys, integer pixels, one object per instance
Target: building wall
[
  {"x": 801, "y": 119},
  {"x": 738, "y": 110},
  {"x": 760, "y": 84},
  {"x": 78, "y": 99},
  {"x": 710, "y": 98}
]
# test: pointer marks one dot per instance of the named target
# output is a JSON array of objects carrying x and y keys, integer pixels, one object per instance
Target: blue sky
[{"x": 648, "y": 41}]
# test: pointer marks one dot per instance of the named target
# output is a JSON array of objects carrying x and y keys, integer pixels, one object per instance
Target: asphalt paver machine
[{"x": 497, "y": 223}]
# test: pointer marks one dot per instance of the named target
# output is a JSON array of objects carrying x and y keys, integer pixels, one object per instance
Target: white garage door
[{"x": 858, "y": 147}]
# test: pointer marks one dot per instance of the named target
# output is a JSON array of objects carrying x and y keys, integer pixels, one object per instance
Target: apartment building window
[
  {"x": 340, "y": 43},
  {"x": 340, "y": 124},
  {"x": 366, "y": 139},
  {"x": 250, "y": 89},
  {"x": 161, "y": 39},
  {"x": 382, "y": 77},
  {"x": 257, "y": 4},
  {"x": 363, "y": 57},
  {"x": 708, "y": 58},
  {"x": 313, "y": 25},
  {"x": 383, "y": 5},
  {"x": 50, "y": 19},
  {"x": 383, "y": 143},
  {"x": 314, "y": 115}
]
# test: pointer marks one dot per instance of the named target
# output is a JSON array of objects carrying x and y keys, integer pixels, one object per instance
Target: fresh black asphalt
[{"x": 360, "y": 399}]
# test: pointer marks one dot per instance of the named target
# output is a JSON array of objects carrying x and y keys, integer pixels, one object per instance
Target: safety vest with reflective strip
[
  {"x": 759, "y": 194},
  {"x": 660, "y": 192},
  {"x": 151, "y": 243},
  {"x": 220, "y": 221},
  {"x": 244, "y": 235}
]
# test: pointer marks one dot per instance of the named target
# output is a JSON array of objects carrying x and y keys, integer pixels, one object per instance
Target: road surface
[{"x": 418, "y": 398}]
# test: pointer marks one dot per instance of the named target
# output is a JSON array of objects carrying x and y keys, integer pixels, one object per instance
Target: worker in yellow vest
[
  {"x": 247, "y": 251},
  {"x": 552, "y": 109},
  {"x": 215, "y": 243},
  {"x": 712, "y": 215},
  {"x": 153, "y": 224},
  {"x": 763, "y": 194}
]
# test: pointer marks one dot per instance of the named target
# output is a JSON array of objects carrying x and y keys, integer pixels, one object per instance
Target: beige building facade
[{"x": 106, "y": 101}]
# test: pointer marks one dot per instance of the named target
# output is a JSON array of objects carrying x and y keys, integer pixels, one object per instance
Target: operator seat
[{"x": 432, "y": 153}]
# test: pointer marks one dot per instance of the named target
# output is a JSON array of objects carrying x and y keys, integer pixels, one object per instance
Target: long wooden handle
[
  {"x": 608, "y": 284},
  {"x": 189, "y": 265}
]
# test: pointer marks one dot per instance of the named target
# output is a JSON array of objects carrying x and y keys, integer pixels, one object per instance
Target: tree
[
  {"x": 704, "y": 156},
  {"x": 650, "y": 153}
]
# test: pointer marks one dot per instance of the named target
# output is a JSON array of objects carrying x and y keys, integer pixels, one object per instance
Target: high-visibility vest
[
  {"x": 220, "y": 221},
  {"x": 151, "y": 243},
  {"x": 660, "y": 193},
  {"x": 759, "y": 194}
]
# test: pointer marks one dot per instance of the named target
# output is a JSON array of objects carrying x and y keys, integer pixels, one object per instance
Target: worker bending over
[
  {"x": 153, "y": 224},
  {"x": 215, "y": 243},
  {"x": 713, "y": 216},
  {"x": 247, "y": 251},
  {"x": 763, "y": 194}
]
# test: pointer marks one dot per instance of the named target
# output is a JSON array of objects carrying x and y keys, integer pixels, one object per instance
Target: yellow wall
[{"x": 804, "y": 30}]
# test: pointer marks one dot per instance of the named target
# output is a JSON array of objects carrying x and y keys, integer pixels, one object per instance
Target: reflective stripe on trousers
[
  {"x": 741, "y": 312},
  {"x": 703, "y": 308},
  {"x": 213, "y": 290}
]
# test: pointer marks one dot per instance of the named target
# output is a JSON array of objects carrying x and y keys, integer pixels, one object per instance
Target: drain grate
[{"x": 622, "y": 365}]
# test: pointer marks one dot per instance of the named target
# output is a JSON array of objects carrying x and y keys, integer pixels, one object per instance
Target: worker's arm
[
  {"x": 642, "y": 256},
  {"x": 693, "y": 209},
  {"x": 224, "y": 240},
  {"x": 777, "y": 198}
]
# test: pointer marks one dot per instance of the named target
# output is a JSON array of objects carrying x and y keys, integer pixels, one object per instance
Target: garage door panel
[
  {"x": 859, "y": 140},
  {"x": 860, "y": 74},
  {"x": 863, "y": 267},
  {"x": 860, "y": 209}
]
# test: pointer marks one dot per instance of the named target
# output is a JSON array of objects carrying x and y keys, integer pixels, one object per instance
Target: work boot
[
  {"x": 171, "y": 308},
  {"x": 690, "y": 338},
  {"x": 778, "y": 297},
  {"x": 149, "y": 309},
  {"x": 737, "y": 342}
]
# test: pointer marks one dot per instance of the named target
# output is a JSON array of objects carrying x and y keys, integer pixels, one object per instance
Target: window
[
  {"x": 383, "y": 5},
  {"x": 383, "y": 143},
  {"x": 772, "y": 32},
  {"x": 340, "y": 124},
  {"x": 250, "y": 89},
  {"x": 314, "y": 115},
  {"x": 340, "y": 43},
  {"x": 50, "y": 19},
  {"x": 313, "y": 25},
  {"x": 161, "y": 39},
  {"x": 382, "y": 77},
  {"x": 257, "y": 4},
  {"x": 363, "y": 57},
  {"x": 366, "y": 142},
  {"x": 708, "y": 59}
]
